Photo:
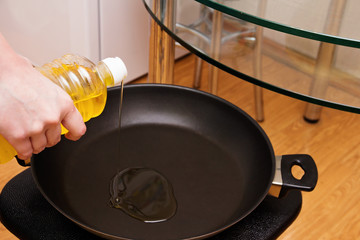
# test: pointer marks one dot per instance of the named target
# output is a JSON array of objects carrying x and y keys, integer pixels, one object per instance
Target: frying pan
[{"x": 218, "y": 160}]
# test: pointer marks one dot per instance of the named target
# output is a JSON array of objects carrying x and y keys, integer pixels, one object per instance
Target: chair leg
[
  {"x": 215, "y": 53},
  {"x": 259, "y": 104},
  {"x": 197, "y": 72}
]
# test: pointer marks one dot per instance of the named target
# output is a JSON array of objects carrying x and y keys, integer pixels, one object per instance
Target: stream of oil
[{"x": 141, "y": 193}]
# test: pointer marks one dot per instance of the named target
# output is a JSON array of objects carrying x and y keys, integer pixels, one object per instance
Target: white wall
[
  {"x": 46, "y": 29},
  {"x": 124, "y": 31},
  {"x": 43, "y": 30}
]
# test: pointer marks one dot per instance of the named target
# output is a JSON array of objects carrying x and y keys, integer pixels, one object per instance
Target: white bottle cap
[{"x": 117, "y": 68}]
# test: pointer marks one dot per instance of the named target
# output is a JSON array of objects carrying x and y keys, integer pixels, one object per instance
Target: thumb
[{"x": 74, "y": 123}]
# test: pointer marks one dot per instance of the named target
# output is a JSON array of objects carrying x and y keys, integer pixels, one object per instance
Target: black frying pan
[{"x": 218, "y": 160}]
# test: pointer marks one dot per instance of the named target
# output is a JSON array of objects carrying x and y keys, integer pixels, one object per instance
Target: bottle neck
[{"x": 105, "y": 74}]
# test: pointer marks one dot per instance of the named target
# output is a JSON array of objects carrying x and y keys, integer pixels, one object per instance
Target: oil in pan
[{"x": 144, "y": 194}]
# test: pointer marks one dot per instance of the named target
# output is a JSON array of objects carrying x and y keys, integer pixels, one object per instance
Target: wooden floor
[{"x": 332, "y": 210}]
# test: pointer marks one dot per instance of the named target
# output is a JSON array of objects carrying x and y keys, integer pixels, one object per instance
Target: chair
[{"x": 212, "y": 28}]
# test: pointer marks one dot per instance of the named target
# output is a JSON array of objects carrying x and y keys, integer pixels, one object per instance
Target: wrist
[{"x": 8, "y": 56}]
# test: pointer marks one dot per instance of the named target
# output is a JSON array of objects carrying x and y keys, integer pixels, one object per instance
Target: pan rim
[{"x": 206, "y": 94}]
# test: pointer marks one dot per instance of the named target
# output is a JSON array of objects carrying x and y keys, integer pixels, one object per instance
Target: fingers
[
  {"x": 48, "y": 139},
  {"x": 24, "y": 149},
  {"x": 38, "y": 142},
  {"x": 74, "y": 123},
  {"x": 53, "y": 135}
]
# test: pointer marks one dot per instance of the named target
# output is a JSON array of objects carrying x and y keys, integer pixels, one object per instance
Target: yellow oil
[
  {"x": 90, "y": 107},
  {"x": 85, "y": 82},
  {"x": 86, "y": 86}
]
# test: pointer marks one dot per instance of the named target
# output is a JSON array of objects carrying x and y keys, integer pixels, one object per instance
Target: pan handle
[{"x": 284, "y": 180}]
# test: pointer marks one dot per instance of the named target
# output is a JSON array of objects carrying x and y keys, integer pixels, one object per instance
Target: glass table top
[
  {"x": 304, "y": 18},
  {"x": 312, "y": 47}
]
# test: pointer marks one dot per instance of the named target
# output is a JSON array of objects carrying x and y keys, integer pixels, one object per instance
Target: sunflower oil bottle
[{"x": 84, "y": 81}]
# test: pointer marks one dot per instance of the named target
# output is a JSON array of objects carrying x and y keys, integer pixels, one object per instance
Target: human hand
[{"x": 32, "y": 107}]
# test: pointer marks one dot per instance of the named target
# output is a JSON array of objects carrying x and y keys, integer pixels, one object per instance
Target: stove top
[{"x": 26, "y": 214}]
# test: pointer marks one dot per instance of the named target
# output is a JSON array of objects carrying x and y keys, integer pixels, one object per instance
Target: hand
[{"x": 32, "y": 107}]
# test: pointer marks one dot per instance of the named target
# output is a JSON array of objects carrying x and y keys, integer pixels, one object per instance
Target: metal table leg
[
  {"x": 324, "y": 61},
  {"x": 162, "y": 46},
  {"x": 258, "y": 91},
  {"x": 215, "y": 50}
]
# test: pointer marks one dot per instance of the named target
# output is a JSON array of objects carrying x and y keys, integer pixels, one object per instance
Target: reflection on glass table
[{"x": 310, "y": 46}]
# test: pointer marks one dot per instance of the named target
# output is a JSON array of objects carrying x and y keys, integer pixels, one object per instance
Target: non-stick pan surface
[{"x": 218, "y": 160}]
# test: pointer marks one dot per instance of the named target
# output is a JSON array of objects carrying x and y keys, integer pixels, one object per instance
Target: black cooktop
[{"x": 26, "y": 214}]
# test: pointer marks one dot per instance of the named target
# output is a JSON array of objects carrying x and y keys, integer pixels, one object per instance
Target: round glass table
[{"x": 312, "y": 47}]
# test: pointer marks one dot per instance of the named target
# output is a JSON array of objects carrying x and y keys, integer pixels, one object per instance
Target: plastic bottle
[{"x": 84, "y": 81}]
